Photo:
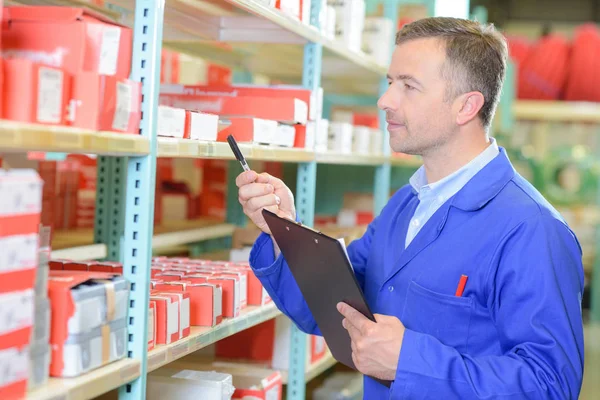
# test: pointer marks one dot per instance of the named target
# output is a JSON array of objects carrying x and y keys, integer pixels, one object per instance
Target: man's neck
[{"x": 453, "y": 156}]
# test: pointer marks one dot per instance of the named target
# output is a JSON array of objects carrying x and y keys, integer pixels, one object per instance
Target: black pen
[{"x": 238, "y": 154}]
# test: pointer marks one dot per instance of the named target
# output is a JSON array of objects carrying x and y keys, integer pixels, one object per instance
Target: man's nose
[{"x": 386, "y": 101}]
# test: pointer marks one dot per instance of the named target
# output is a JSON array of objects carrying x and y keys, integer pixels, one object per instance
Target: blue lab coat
[{"x": 516, "y": 333}]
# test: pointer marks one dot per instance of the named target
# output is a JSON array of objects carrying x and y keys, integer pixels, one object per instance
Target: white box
[
  {"x": 84, "y": 352},
  {"x": 285, "y": 136},
  {"x": 18, "y": 252},
  {"x": 361, "y": 140},
  {"x": 174, "y": 384},
  {"x": 91, "y": 304},
  {"x": 321, "y": 135},
  {"x": 14, "y": 365},
  {"x": 350, "y": 16},
  {"x": 330, "y": 21},
  {"x": 290, "y": 7},
  {"x": 340, "y": 137},
  {"x": 16, "y": 311},
  {"x": 378, "y": 38},
  {"x": 282, "y": 346},
  {"x": 376, "y": 141},
  {"x": 203, "y": 126},
  {"x": 171, "y": 122},
  {"x": 21, "y": 192},
  {"x": 306, "y": 6}
]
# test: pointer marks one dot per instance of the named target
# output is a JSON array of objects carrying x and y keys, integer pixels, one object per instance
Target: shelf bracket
[{"x": 136, "y": 245}]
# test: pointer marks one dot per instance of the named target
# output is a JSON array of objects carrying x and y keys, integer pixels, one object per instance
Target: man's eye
[
  {"x": 407, "y": 86},
  {"x": 389, "y": 83}
]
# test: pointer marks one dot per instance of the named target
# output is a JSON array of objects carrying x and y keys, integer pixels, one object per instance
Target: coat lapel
[{"x": 424, "y": 238}]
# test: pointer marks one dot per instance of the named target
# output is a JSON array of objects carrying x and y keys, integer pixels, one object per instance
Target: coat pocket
[{"x": 445, "y": 317}]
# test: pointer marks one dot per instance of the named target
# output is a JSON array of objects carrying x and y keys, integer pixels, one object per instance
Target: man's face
[{"x": 419, "y": 119}]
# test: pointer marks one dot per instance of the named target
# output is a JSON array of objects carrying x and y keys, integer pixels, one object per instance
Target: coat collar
[{"x": 486, "y": 184}]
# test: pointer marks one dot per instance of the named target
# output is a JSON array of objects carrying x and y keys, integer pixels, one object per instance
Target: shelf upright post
[
  {"x": 383, "y": 172},
  {"x": 136, "y": 241},
  {"x": 595, "y": 280},
  {"x": 305, "y": 207}
]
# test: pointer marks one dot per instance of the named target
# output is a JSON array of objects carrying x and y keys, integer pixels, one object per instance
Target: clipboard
[{"x": 325, "y": 277}]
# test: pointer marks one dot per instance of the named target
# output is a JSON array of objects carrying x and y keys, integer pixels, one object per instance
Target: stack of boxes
[
  {"x": 20, "y": 209},
  {"x": 183, "y": 293},
  {"x": 271, "y": 115},
  {"x": 89, "y": 318},
  {"x": 354, "y": 133},
  {"x": 349, "y": 22},
  {"x": 68, "y": 66}
]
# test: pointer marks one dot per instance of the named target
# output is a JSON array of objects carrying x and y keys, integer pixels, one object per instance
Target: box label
[
  {"x": 172, "y": 320},
  {"x": 123, "y": 107},
  {"x": 171, "y": 122},
  {"x": 109, "y": 50},
  {"x": 50, "y": 94}
]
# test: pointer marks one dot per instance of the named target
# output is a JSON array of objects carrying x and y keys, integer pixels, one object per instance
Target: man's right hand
[{"x": 260, "y": 191}]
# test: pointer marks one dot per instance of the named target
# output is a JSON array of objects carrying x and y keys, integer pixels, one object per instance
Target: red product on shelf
[
  {"x": 34, "y": 92},
  {"x": 583, "y": 82},
  {"x": 544, "y": 72},
  {"x": 113, "y": 267},
  {"x": 75, "y": 39},
  {"x": 183, "y": 301},
  {"x": 231, "y": 294},
  {"x": 167, "y": 318},
  {"x": 105, "y": 103},
  {"x": 151, "y": 325}
]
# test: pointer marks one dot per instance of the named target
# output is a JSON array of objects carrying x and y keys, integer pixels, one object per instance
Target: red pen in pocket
[{"x": 461, "y": 285}]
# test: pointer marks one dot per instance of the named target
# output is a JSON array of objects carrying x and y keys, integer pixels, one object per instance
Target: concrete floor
[{"x": 591, "y": 377}]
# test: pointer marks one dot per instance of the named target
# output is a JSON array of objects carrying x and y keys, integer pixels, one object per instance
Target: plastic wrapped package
[
  {"x": 186, "y": 384},
  {"x": 39, "y": 365},
  {"x": 341, "y": 386}
]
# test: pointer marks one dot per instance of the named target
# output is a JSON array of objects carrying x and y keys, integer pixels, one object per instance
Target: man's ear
[{"x": 469, "y": 106}]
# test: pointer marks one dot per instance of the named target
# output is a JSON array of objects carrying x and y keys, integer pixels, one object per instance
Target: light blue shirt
[{"x": 433, "y": 196}]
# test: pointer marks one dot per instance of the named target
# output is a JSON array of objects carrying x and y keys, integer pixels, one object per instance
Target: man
[{"x": 516, "y": 329}]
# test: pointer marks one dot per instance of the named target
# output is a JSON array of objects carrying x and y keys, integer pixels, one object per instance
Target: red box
[
  {"x": 170, "y": 276},
  {"x": 105, "y": 103},
  {"x": 16, "y": 362},
  {"x": 252, "y": 384},
  {"x": 108, "y": 266},
  {"x": 167, "y": 318},
  {"x": 78, "y": 265},
  {"x": 284, "y": 110},
  {"x": 243, "y": 279},
  {"x": 183, "y": 299},
  {"x": 151, "y": 325},
  {"x": 231, "y": 294},
  {"x": 75, "y": 39},
  {"x": 35, "y": 93},
  {"x": 16, "y": 318}
]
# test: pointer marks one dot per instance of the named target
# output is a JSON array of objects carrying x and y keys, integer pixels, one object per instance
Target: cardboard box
[
  {"x": 269, "y": 343},
  {"x": 350, "y": 17},
  {"x": 35, "y": 93},
  {"x": 285, "y": 136},
  {"x": 289, "y": 7},
  {"x": 321, "y": 135},
  {"x": 75, "y": 39},
  {"x": 231, "y": 294},
  {"x": 250, "y": 382},
  {"x": 314, "y": 100},
  {"x": 16, "y": 318},
  {"x": 151, "y": 325},
  {"x": 284, "y": 110},
  {"x": 250, "y": 130},
  {"x": 340, "y": 137},
  {"x": 105, "y": 103},
  {"x": 175, "y": 384},
  {"x": 183, "y": 300},
  {"x": 378, "y": 39},
  {"x": 242, "y": 275},
  {"x": 201, "y": 126},
  {"x": 14, "y": 369},
  {"x": 112, "y": 267},
  {"x": 78, "y": 265},
  {"x": 167, "y": 318},
  {"x": 305, "y": 135},
  {"x": 361, "y": 140},
  {"x": 18, "y": 262},
  {"x": 171, "y": 122},
  {"x": 305, "y": 8},
  {"x": 84, "y": 301}
]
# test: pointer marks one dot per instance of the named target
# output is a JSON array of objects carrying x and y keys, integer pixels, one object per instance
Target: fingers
[
  {"x": 354, "y": 317},
  {"x": 252, "y": 190},
  {"x": 258, "y": 203},
  {"x": 266, "y": 178},
  {"x": 352, "y": 330},
  {"x": 245, "y": 178}
]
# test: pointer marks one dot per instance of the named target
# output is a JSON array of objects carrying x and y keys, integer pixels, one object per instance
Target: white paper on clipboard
[{"x": 343, "y": 243}]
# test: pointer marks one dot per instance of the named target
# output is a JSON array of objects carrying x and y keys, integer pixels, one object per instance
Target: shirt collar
[{"x": 450, "y": 185}]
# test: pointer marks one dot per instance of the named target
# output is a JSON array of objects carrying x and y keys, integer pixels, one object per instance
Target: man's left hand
[{"x": 375, "y": 346}]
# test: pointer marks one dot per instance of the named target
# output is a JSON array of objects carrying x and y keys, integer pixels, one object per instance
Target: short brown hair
[{"x": 475, "y": 57}]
